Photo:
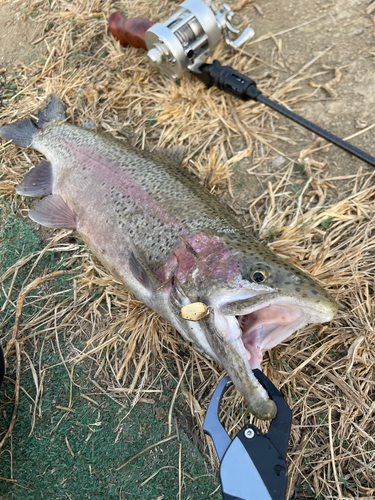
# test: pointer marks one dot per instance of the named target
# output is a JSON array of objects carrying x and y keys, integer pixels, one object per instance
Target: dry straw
[{"x": 326, "y": 372}]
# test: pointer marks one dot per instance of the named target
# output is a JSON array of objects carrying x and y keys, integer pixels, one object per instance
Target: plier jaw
[{"x": 252, "y": 465}]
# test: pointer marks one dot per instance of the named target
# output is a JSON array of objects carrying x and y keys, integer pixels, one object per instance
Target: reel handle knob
[{"x": 129, "y": 31}]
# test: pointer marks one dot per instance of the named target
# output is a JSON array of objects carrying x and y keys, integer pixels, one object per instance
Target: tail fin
[{"x": 22, "y": 132}]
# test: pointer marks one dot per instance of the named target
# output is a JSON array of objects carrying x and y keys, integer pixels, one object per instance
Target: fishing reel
[{"x": 184, "y": 41}]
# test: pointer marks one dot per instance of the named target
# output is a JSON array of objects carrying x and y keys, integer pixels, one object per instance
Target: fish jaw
[
  {"x": 263, "y": 320},
  {"x": 244, "y": 321},
  {"x": 236, "y": 333},
  {"x": 231, "y": 355}
]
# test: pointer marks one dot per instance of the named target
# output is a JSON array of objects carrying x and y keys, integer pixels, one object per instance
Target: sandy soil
[
  {"x": 340, "y": 28},
  {"x": 337, "y": 35},
  {"x": 17, "y": 34}
]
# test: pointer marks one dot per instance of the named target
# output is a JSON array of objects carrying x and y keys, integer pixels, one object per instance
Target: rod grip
[{"x": 129, "y": 31}]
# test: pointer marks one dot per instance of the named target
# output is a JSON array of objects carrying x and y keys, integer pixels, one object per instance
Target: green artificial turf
[
  {"x": 99, "y": 436},
  {"x": 18, "y": 240},
  {"x": 44, "y": 464}
]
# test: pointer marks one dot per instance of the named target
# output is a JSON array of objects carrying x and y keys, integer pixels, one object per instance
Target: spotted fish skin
[
  {"x": 171, "y": 243},
  {"x": 130, "y": 190},
  {"x": 152, "y": 200}
]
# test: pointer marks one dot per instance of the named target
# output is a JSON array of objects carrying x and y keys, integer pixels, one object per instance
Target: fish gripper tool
[{"x": 252, "y": 465}]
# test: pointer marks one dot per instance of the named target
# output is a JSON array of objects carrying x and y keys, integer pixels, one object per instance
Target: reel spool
[{"x": 184, "y": 41}]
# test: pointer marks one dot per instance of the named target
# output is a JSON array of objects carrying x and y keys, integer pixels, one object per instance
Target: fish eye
[{"x": 259, "y": 276}]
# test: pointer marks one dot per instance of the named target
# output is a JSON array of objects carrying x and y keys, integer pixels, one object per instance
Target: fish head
[
  {"x": 256, "y": 300},
  {"x": 267, "y": 302}
]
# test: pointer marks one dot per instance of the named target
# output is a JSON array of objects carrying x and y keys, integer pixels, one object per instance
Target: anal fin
[
  {"x": 37, "y": 182},
  {"x": 52, "y": 211}
]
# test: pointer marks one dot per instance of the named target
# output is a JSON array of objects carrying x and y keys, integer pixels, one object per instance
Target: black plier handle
[{"x": 252, "y": 465}]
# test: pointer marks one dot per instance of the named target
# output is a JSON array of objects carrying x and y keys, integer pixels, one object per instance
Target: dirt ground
[
  {"x": 334, "y": 46},
  {"x": 289, "y": 37},
  {"x": 18, "y": 33},
  {"x": 329, "y": 45}
]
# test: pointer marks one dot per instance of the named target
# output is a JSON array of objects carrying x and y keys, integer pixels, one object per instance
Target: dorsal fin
[
  {"x": 37, "y": 182},
  {"x": 88, "y": 124},
  {"x": 175, "y": 154}
]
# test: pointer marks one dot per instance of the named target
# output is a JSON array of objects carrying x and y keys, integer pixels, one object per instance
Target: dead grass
[{"x": 326, "y": 372}]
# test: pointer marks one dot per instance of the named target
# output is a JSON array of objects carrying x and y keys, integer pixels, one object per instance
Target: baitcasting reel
[{"x": 184, "y": 41}]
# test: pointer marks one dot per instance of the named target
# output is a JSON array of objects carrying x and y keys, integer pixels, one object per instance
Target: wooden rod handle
[{"x": 129, "y": 31}]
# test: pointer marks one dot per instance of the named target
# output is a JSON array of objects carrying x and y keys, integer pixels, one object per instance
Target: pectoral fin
[
  {"x": 141, "y": 271},
  {"x": 38, "y": 182},
  {"x": 53, "y": 211}
]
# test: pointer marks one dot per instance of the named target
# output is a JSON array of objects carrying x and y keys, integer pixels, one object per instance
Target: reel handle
[{"x": 129, "y": 31}]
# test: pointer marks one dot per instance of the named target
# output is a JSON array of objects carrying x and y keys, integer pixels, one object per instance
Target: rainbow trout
[{"x": 171, "y": 243}]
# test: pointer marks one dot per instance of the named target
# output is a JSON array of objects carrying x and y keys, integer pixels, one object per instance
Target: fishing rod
[{"x": 185, "y": 40}]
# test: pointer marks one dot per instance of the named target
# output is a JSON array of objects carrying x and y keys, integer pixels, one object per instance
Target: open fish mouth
[{"x": 262, "y": 321}]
